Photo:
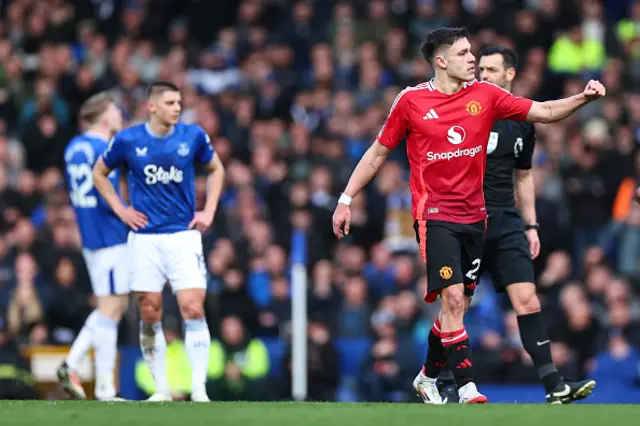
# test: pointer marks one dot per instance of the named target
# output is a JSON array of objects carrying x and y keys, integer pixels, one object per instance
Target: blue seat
[
  {"x": 352, "y": 353},
  {"x": 277, "y": 349}
]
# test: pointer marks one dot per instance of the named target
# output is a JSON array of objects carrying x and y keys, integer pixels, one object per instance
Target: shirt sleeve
[
  {"x": 204, "y": 149},
  {"x": 396, "y": 125},
  {"x": 524, "y": 161},
  {"x": 115, "y": 156},
  {"x": 506, "y": 106}
]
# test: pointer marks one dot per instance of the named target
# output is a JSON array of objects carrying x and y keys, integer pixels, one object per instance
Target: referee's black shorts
[
  {"x": 452, "y": 252},
  {"x": 506, "y": 251}
]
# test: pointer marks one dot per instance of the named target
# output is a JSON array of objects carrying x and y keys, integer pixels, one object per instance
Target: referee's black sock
[
  {"x": 436, "y": 358},
  {"x": 536, "y": 342}
]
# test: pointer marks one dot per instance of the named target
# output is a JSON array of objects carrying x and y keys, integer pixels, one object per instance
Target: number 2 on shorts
[{"x": 472, "y": 272}]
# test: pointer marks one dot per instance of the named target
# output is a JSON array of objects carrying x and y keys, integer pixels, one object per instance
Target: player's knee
[
  {"x": 192, "y": 309},
  {"x": 524, "y": 298},
  {"x": 113, "y": 307},
  {"x": 124, "y": 304},
  {"x": 454, "y": 300},
  {"x": 112, "y": 312},
  {"x": 150, "y": 310}
]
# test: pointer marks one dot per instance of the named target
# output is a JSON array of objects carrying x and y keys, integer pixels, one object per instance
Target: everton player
[
  {"x": 512, "y": 239},
  {"x": 104, "y": 241},
  {"x": 446, "y": 122},
  {"x": 165, "y": 242}
]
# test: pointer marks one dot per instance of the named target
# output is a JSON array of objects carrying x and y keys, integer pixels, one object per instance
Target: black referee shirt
[{"x": 510, "y": 147}]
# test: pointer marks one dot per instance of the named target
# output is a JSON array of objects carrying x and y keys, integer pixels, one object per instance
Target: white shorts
[
  {"x": 158, "y": 258},
  {"x": 109, "y": 269}
]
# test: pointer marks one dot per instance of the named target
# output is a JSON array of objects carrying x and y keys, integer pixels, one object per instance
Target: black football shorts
[
  {"x": 507, "y": 257},
  {"x": 452, "y": 253}
]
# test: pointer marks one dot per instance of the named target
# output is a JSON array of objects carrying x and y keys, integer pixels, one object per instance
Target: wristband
[
  {"x": 345, "y": 199},
  {"x": 535, "y": 226}
]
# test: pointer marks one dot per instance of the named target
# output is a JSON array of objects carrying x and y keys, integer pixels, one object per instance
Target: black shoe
[
  {"x": 448, "y": 392},
  {"x": 566, "y": 392}
]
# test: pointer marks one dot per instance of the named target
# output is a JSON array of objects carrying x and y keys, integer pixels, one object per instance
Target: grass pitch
[{"x": 65, "y": 413}]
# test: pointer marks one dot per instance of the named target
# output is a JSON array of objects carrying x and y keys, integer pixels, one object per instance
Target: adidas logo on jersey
[
  {"x": 431, "y": 115},
  {"x": 157, "y": 174}
]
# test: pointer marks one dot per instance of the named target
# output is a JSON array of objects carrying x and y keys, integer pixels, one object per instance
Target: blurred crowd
[{"x": 292, "y": 93}]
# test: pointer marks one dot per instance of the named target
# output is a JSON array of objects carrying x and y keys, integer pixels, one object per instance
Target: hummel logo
[
  {"x": 431, "y": 115},
  {"x": 542, "y": 343},
  {"x": 141, "y": 152}
]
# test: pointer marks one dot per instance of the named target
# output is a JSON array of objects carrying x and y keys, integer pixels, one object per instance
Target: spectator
[
  {"x": 322, "y": 363},
  {"x": 291, "y": 96},
  {"x": 354, "y": 313},
  {"x": 69, "y": 306},
  {"x": 16, "y": 381},
  {"x": 277, "y": 314},
  {"x": 387, "y": 372},
  {"x": 238, "y": 365},
  {"x": 25, "y": 314},
  {"x": 234, "y": 300}
]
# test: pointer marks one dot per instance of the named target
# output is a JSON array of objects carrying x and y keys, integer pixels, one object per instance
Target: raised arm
[{"x": 551, "y": 111}]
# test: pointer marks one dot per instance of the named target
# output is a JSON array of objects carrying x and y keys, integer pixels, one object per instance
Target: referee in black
[{"x": 512, "y": 238}]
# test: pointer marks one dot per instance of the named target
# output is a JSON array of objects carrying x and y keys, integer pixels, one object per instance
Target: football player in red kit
[{"x": 446, "y": 122}]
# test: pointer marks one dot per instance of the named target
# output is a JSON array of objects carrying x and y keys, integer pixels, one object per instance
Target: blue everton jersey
[
  {"x": 161, "y": 172},
  {"x": 99, "y": 226}
]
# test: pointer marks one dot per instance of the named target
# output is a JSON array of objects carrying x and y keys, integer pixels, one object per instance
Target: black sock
[
  {"x": 536, "y": 342},
  {"x": 446, "y": 376},
  {"x": 457, "y": 348},
  {"x": 436, "y": 359}
]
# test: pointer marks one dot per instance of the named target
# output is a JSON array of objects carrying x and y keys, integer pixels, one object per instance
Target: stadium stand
[{"x": 291, "y": 94}]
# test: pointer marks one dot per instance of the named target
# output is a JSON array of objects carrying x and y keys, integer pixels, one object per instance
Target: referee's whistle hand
[
  {"x": 341, "y": 221},
  {"x": 133, "y": 218}
]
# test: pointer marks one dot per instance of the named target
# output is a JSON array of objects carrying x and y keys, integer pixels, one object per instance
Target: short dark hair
[
  {"x": 159, "y": 87},
  {"x": 439, "y": 38},
  {"x": 508, "y": 56}
]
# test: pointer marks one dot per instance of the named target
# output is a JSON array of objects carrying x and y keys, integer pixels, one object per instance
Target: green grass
[{"x": 59, "y": 413}]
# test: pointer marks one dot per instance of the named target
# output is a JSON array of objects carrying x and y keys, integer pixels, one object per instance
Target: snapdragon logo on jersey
[
  {"x": 157, "y": 174},
  {"x": 455, "y": 135}
]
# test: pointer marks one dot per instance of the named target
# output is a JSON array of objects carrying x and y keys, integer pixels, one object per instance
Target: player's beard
[{"x": 500, "y": 82}]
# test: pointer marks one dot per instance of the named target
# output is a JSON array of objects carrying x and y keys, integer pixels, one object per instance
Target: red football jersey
[{"x": 447, "y": 138}]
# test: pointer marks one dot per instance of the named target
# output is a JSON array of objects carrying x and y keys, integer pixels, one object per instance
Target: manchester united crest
[
  {"x": 446, "y": 272},
  {"x": 474, "y": 107}
]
